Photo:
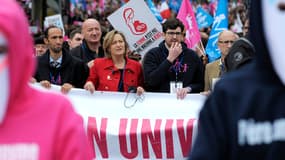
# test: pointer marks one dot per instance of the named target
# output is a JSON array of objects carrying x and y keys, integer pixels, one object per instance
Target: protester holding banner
[
  {"x": 57, "y": 66},
  {"x": 216, "y": 69},
  {"x": 116, "y": 72},
  {"x": 91, "y": 46},
  {"x": 172, "y": 67},
  {"x": 244, "y": 118},
  {"x": 34, "y": 125}
]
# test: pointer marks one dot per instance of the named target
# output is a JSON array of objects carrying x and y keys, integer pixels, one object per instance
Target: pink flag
[
  {"x": 187, "y": 16},
  {"x": 102, "y": 4}
]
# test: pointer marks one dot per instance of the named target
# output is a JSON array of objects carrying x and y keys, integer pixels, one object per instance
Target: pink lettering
[
  {"x": 133, "y": 138},
  {"x": 141, "y": 41},
  {"x": 101, "y": 139},
  {"x": 185, "y": 142},
  {"x": 169, "y": 139},
  {"x": 154, "y": 138},
  {"x": 157, "y": 35}
]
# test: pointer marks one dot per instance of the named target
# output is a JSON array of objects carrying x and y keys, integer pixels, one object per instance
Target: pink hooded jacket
[{"x": 36, "y": 125}]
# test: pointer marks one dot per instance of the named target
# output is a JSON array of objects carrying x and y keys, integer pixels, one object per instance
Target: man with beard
[
  {"x": 57, "y": 66},
  {"x": 172, "y": 67}
]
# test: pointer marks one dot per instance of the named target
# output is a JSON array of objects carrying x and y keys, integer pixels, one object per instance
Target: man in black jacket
[
  {"x": 244, "y": 117},
  {"x": 172, "y": 67},
  {"x": 57, "y": 66},
  {"x": 91, "y": 46}
]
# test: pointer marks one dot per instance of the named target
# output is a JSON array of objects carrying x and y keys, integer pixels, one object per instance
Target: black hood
[
  {"x": 241, "y": 52},
  {"x": 256, "y": 34},
  {"x": 267, "y": 34}
]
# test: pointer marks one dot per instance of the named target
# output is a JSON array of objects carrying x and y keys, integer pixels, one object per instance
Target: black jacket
[
  {"x": 244, "y": 118},
  {"x": 72, "y": 69},
  {"x": 85, "y": 54},
  {"x": 158, "y": 71}
]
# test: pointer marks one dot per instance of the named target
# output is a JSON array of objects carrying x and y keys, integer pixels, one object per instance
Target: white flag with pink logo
[
  {"x": 140, "y": 26},
  {"x": 187, "y": 16}
]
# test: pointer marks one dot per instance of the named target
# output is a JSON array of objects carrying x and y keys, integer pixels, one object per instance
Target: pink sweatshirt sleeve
[{"x": 71, "y": 140}]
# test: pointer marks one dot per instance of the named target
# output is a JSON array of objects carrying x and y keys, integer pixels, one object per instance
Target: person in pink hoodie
[{"x": 34, "y": 125}]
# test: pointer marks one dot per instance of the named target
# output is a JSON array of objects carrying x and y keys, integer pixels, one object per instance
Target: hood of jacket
[
  {"x": 14, "y": 26},
  {"x": 267, "y": 33},
  {"x": 241, "y": 52}
]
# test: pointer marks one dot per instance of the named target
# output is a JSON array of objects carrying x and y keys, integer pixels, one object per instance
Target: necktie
[
  {"x": 54, "y": 64},
  {"x": 222, "y": 69}
]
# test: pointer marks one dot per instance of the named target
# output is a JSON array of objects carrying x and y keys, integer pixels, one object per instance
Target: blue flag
[
  {"x": 220, "y": 24},
  {"x": 204, "y": 19},
  {"x": 154, "y": 10},
  {"x": 84, "y": 5},
  {"x": 174, "y": 5}
]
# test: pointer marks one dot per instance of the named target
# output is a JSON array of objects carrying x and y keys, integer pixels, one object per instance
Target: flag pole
[{"x": 201, "y": 47}]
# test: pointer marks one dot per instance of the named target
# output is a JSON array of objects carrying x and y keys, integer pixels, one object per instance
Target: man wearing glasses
[
  {"x": 216, "y": 69},
  {"x": 172, "y": 67}
]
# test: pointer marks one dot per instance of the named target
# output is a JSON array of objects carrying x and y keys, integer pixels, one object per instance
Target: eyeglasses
[
  {"x": 174, "y": 33},
  {"x": 226, "y": 42}
]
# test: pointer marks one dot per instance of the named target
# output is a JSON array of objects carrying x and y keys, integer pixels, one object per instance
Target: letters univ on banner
[
  {"x": 141, "y": 28},
  {"x": 157, "y": 127}
]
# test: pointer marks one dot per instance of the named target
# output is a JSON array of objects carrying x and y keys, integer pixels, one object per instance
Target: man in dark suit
[{"x": 57, "y": 66}]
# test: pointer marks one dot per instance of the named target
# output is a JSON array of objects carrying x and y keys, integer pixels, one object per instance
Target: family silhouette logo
[{"x": 136, "y": 26}]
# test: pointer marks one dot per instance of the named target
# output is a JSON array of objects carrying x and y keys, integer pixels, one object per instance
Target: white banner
[
  {"x": 54, "y": 20},
  {"x": 141, "y": 28},
  {"x": 157, "y": 126}
]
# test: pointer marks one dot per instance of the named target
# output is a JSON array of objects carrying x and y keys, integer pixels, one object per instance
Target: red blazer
[{"x": 105, "y": 76}]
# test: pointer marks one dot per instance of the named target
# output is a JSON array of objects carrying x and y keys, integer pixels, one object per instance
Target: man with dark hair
[
  {"x": 172, "y": 67},
  {"x": 57, "y": 66},
  {"x": 40, "y": 46},
  {"x": 75, "y": 38}
]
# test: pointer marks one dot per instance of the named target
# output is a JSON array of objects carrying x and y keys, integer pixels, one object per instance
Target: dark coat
[
  {"x": 85, "y": 54},
  {"x": 72, "y": 70},
  {"x": 158, "y": 71},
  {"x": 244, "y": 117}
]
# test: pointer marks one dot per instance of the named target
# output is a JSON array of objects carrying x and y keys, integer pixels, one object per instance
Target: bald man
[
  {"x": 91, "y": 46},
  {"x": 216, "y": 69}
]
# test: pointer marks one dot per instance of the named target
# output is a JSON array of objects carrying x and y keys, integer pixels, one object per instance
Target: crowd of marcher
[
  {"x": 85, "y": 43},
  {"x": 242, "y": 117}
]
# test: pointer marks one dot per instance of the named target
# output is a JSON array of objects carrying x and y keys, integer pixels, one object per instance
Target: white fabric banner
[{"x": 157, "y": 126}]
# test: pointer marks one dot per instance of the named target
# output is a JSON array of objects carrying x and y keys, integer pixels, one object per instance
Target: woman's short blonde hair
[{"x": 108, "y": 39}]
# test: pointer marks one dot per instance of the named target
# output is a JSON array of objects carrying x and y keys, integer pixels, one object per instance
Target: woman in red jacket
[{"x": 115, "y": 72}]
